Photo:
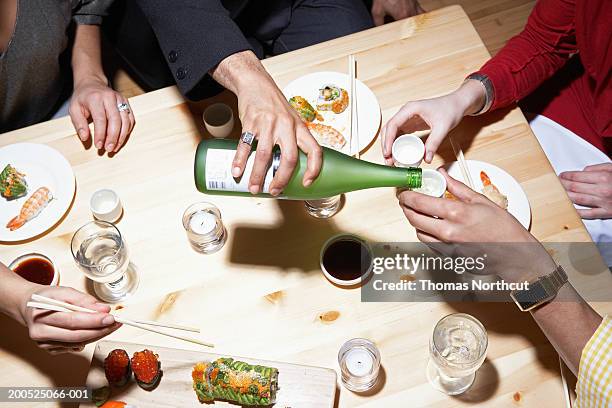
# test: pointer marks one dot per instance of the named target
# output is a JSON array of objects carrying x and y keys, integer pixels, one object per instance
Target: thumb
[
  {"x": 378, "y": 14},
  {"x": 457, "y": 188}
]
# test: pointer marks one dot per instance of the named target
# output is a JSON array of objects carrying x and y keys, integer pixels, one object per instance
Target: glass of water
[
  {"x": 456, "y": 350},
  {"x": 100, "y": 252},
  {"x": 323, "y": 208}
]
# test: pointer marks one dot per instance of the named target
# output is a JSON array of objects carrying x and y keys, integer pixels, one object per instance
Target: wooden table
[{"x": 278, "y": 306}]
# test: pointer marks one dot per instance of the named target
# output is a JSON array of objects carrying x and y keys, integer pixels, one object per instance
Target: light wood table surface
[{"x": 263, "y": 295}]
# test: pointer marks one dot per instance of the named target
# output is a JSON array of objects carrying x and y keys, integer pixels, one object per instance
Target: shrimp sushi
[
  {"x": 332, "y": 98},
  {"x": 147, "y": 369},
  {"x": 490, "y": 191},
  {"x": 326, "y": 135},
  {"x": 31, "y": 208},
  {"x": 117, "y": 368}
]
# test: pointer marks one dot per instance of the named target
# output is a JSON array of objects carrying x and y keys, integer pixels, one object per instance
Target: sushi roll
[
  {"x": 147, "y": 369},
  {"x": 235, "y": 381},
  {"x": 117, "y": 368},
  {"x": 304, "y": 109},
  {"x": 116, "y": 404},
  {"x": 12, "y": 183},
  {"x": 332, "y": 98}
]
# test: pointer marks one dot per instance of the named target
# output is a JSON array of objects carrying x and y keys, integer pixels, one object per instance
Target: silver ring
[
  {"x": 123, "y": 107},
  {"x": 247, "y": 137}
]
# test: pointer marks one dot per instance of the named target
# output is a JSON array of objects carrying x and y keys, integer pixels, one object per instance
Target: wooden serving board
[{"x": 299, "y": 385}]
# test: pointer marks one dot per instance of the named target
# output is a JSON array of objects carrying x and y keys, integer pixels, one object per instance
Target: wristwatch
[
  {"x": 542, "y": 290},
  {"x": 488, "y": 88}
]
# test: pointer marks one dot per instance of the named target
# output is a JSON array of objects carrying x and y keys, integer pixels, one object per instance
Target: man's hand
[
  {"x": 265, "y": 112},
  {"x": 59, "y": 332},
  {"x": 398, "y": 9},
  {"x": 591, "y": 187},
  {"x": 93, "y": 99}
]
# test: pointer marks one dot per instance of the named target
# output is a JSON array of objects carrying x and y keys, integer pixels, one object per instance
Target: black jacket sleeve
[{"x": 195, "y": 36}]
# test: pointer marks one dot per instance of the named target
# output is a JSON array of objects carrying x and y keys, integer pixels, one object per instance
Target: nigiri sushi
[
  {"x": 117, "y": 368},
  {"x": 326, "y": 135},
  {"x": 31, "y": 208},
  {"x": 12, "y": 183},
  {"x": 146, "y": 368}
]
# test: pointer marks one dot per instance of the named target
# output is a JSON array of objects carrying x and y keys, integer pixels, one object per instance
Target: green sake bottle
[{"x": 339, "y": 174}]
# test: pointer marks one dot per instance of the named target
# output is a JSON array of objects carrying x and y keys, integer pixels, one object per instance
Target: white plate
[
  {"x": 368, "y": 109},
  {"x": 518, "y": 204},
  {"x": 43, "y": 166}
]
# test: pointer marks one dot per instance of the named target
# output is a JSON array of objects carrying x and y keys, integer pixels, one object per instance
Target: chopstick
[
  {"x": 45, "y": 303},
  {"x": 566, "y": 391},
  {"x": 353, "y": 120},
  {"x": 44, "y": 299},
  {"x": 462, "y": 164}
]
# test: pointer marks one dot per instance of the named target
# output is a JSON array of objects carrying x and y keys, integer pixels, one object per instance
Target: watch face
[{"x": 528, "y": 299}]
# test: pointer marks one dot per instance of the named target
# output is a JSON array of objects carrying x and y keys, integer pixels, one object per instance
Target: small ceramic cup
[
  {"x": 105, "y": 205},
  {"x": 408, "y": 151},
  {"x": 219, "y": 120},
  {"x": 26, "y": 257},
  {"x": 434, "y": 183},
  {"x": 365, "y": 256}
]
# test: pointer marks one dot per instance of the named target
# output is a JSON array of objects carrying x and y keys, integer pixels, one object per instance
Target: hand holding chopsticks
[{"x": 46, "y": 303}]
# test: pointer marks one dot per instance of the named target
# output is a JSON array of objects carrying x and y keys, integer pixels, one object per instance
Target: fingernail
[
  {"x": 307, "y": 182},
  {"x": 275, "y": 191},
  {"x": 110, "y": 147},
  {"x": 254, "y": 189},
  {"x": 236, "y": 171},
  {"x": 82, "y": 133},
  {"x": 429, "y": 157},
  {"x": 108, "y": 320},
  {"x": 99, "y": 145}
]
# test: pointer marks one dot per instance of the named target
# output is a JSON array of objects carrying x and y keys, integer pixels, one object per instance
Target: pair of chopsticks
[
  {"x": 353, "y": 124},
  {"x": 45, "y": 303},
  {"x": 462, "y": 163}
]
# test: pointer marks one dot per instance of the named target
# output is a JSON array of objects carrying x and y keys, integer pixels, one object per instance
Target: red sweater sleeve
[{"x": 528, "y": 59}]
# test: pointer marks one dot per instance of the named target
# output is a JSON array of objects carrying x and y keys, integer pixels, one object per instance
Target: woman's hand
[
  {"x": 591, "y": 187},
  {"x": 475, "y": 221},
  {"x": 93, "y": 100},
  {"x": 59, "y": 332},
  {"x": 441, "y": 115}
]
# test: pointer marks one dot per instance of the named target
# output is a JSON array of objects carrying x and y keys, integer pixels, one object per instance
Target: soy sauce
[
  {"x": 36, "y": 270},
  {"x": 347, "y": 259}
]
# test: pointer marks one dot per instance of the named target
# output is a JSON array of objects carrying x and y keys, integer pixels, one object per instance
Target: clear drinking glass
[
  {"x": 323, "y": 208},
  {"x": 456, "y": 350},
  {"x": 100, "y": 252},
  {"x": 359, "y": 361}
]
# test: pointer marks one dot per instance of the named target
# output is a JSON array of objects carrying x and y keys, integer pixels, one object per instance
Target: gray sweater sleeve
[{"x": 90, "y": 12}]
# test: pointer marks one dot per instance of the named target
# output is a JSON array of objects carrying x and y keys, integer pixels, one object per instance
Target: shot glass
[
  {"x": 323, "y": 208},
  {"x": 219, "y": 120}
]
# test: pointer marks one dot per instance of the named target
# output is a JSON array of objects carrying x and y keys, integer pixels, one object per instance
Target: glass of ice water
[
  {"x": 323, "y": 208},
  {"x": 101, "y": 254},
  {"x": 457, "y": 349}
]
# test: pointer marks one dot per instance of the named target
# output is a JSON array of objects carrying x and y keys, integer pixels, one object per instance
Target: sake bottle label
[{"x": 219, "y": 171}]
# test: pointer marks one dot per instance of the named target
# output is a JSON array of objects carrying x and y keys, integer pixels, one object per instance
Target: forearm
[
  {"x": 13, "y": 291},
  {"x": 239, "y": 71},
  {"x": 86, "y": 55},
  {"x": 568, "y": 322}
]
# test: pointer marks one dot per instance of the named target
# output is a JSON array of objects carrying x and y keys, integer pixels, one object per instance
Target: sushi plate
[
  {"x": 368, "y": 108},
  {"x": 299, "y": 386},
  {"x": 518, "y": 204},
  {"x": 43, "y": 166}
]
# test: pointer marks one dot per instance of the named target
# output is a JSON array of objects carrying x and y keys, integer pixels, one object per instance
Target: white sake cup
[
  {"x": 105, "y": 205},
  {"x": 219, "y": 120},
  {"x": 433, "y": 184},
  {"x": 408, "y": 151}
]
